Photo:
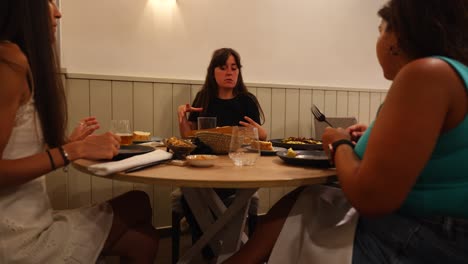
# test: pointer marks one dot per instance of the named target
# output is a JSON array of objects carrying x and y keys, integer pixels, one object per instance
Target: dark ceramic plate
[
  {"x": 132, "y": 150},
  {"x": 152, "y": 139},
  {"x": 315, "y": 158},
  {"x": 279, "y": 143}
]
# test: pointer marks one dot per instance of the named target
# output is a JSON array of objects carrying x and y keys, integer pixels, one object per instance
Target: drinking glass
[
  {"x": 206, "y": 122},
  {"x": 122, "y": 129},
  {"x": 243, "y": 149}
]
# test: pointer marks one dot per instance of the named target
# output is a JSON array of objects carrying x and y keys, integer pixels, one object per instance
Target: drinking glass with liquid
[
  {"x": 122, "y": 129},
  {"x": 241, "y": 151}
]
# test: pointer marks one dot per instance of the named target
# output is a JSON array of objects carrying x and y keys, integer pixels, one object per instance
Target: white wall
[{"x": 310, "y": 42}]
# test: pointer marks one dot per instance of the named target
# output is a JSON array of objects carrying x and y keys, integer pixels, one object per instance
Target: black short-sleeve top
[{"x": 229, "y": 112}]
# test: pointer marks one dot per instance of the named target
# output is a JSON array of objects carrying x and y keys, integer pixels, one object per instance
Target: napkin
[{"x": 121, "y": 165}]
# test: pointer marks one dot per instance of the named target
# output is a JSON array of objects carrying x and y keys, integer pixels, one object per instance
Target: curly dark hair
[{"x": 429, "y": 27}]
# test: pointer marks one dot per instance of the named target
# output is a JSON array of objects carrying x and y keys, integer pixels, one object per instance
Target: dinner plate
[
  {"x": 132, "y": 150},
  {"x": 269, "y": 152},
  {"x": 152, "y": 139},
  {"x": 315, "y": 158},
  {"x": 201, "y": 160},
  {"x": 279, "y": 143}
]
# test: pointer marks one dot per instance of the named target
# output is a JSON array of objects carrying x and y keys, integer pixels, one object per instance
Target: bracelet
[
  {"x": 52, "y": 163},
  {"x": 65, "y": 156},
  {"x": 334, "y": 146}
]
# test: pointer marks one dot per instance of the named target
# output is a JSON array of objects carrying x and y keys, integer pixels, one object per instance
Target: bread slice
[
  {"x": 141, "y": 136},
  {"x": 263, "y": 145}
]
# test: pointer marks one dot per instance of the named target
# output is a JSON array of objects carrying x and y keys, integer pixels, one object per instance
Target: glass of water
[{"x": 242, "y": 150}]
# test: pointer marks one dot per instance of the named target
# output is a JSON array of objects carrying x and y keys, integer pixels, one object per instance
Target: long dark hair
[
  {"x": 27, "y": 24},
  {"x": 209, "y": 91},
  {"x": 429, "y": 27}
]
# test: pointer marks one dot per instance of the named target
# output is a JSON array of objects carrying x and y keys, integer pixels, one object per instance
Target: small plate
[
  {"x": 315, "y": 158},
  {"x": 132, "y": 150},
  {"x": 269, "y": 152},
  {"x": 279, "y": 143},
  {"x": 201, "y": 160},
  {"x": 152, "y": 139}
]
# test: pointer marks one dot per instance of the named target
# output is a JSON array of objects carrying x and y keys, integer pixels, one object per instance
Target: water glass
[
  {"x": 206, "y": 122},
  {"x": 240, "y": 150},
  {"x": 122, "y": 129}
]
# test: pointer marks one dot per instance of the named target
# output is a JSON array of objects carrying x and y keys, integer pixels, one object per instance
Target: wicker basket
[{"x": 218, "y": 142}]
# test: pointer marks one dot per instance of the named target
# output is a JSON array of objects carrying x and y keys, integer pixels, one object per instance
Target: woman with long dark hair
[
  {"x": 224, "y": 96},
  {"x": 407, "y": 176},
  {"x": 33, "y": 116}
]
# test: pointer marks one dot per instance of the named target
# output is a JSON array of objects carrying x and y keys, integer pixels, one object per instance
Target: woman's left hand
[
  {"x": 333, "y": 134},
  {"x": 262, "y": 134},
  {"x": 86, "y": 127}
]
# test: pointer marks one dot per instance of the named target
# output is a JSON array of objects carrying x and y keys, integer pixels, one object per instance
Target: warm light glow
[
  {"x": 167, "y": 4},
  {"x": 164, "y": 13}
]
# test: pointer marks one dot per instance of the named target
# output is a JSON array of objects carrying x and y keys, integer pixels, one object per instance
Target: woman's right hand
[
  {"x": 95, "y": 147},
  {"x": 356, "y": 131},
  {"x": 182, "y": 111}
]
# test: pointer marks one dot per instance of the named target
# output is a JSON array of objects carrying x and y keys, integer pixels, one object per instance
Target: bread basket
[{"x": 218, "y": 142}]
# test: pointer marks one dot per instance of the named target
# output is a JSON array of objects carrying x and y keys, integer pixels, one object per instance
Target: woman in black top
[{"x": 225, "y": 96}]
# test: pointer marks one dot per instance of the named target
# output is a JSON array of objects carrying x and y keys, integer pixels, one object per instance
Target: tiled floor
[{"x": 165, "y": 250}]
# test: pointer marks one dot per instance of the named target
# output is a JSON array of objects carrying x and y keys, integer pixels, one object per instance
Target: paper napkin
[{"x": 121, "y": 165}]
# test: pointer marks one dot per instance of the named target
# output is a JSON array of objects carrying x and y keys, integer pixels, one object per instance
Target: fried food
[
  {"x": 141, "y": 136},
  {"x": 291, "y": 153},
  {"x": 173, "y": 141},
  {"x": 300, "y": 140},
  {"x": 263, "y": 145}
]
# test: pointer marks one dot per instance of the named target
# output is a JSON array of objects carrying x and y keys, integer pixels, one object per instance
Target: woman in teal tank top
[{"x": 407, "y": 176}]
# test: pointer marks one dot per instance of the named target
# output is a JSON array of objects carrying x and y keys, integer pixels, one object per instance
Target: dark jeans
[{"x": 403, "y": 239}]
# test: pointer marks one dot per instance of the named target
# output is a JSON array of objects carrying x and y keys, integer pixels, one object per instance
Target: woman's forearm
[
  {"x": 185, "y": 127},
  {"x": 19, "y": 171}
]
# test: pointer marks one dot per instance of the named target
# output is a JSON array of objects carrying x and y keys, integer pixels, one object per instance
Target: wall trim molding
[{"x": 88, "y": 76}]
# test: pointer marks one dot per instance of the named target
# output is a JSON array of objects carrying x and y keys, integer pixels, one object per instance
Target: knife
[{"x": 144, "y": 166}]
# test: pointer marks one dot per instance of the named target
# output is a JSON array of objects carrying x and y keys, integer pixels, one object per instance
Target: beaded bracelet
[{"x": 52, "y": 163}]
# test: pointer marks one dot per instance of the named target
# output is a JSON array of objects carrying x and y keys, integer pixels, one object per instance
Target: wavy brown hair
[
  {"x": 27, "y": 24},
  {"x": 429, "y": 27},
  {"x": 209, "y": 90}
]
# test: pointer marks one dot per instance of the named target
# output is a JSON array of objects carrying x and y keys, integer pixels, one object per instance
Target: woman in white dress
[{"x": 33, "y": 143}]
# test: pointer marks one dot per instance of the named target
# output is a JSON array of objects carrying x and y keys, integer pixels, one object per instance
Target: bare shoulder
[
  {"x": 428, "y": 74},
  {"x": 12, "y": 55},
  {"x": 431, "y": 68},
  {"x": 13, "y": 72}
]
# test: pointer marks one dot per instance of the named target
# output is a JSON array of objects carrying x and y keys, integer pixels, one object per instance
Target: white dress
[
  {"x": 320, "y": 228},
  {"x": 30, "y": 231}
]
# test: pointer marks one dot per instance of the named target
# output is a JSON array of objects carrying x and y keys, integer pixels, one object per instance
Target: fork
[{"x": 319, "y": 115}]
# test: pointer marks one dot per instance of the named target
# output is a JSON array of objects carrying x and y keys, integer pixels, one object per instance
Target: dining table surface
[{"x": 268, "y": 171}]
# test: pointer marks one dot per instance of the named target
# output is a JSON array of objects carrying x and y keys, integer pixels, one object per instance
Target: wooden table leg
[{"x": 231, "y": 221}]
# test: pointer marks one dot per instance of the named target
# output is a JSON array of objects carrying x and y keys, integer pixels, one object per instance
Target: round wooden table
[{"x": 223, "y": 231}]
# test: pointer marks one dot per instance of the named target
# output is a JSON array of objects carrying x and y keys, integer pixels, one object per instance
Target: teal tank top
[{"x": 442, "y": 187}]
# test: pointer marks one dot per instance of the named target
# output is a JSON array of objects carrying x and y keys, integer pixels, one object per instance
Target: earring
[{"x": 394, "y": 51}]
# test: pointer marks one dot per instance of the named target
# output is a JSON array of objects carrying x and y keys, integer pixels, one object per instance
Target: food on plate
[
  {"x": 141, "y": 136},
  {"x": 263, "y": 145},
  {"x": 175, "y": 142},
  {"x": 291, "y": 153},
  {"x": 201, "y": 160},
  {"x": 300, "y": 140}
]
